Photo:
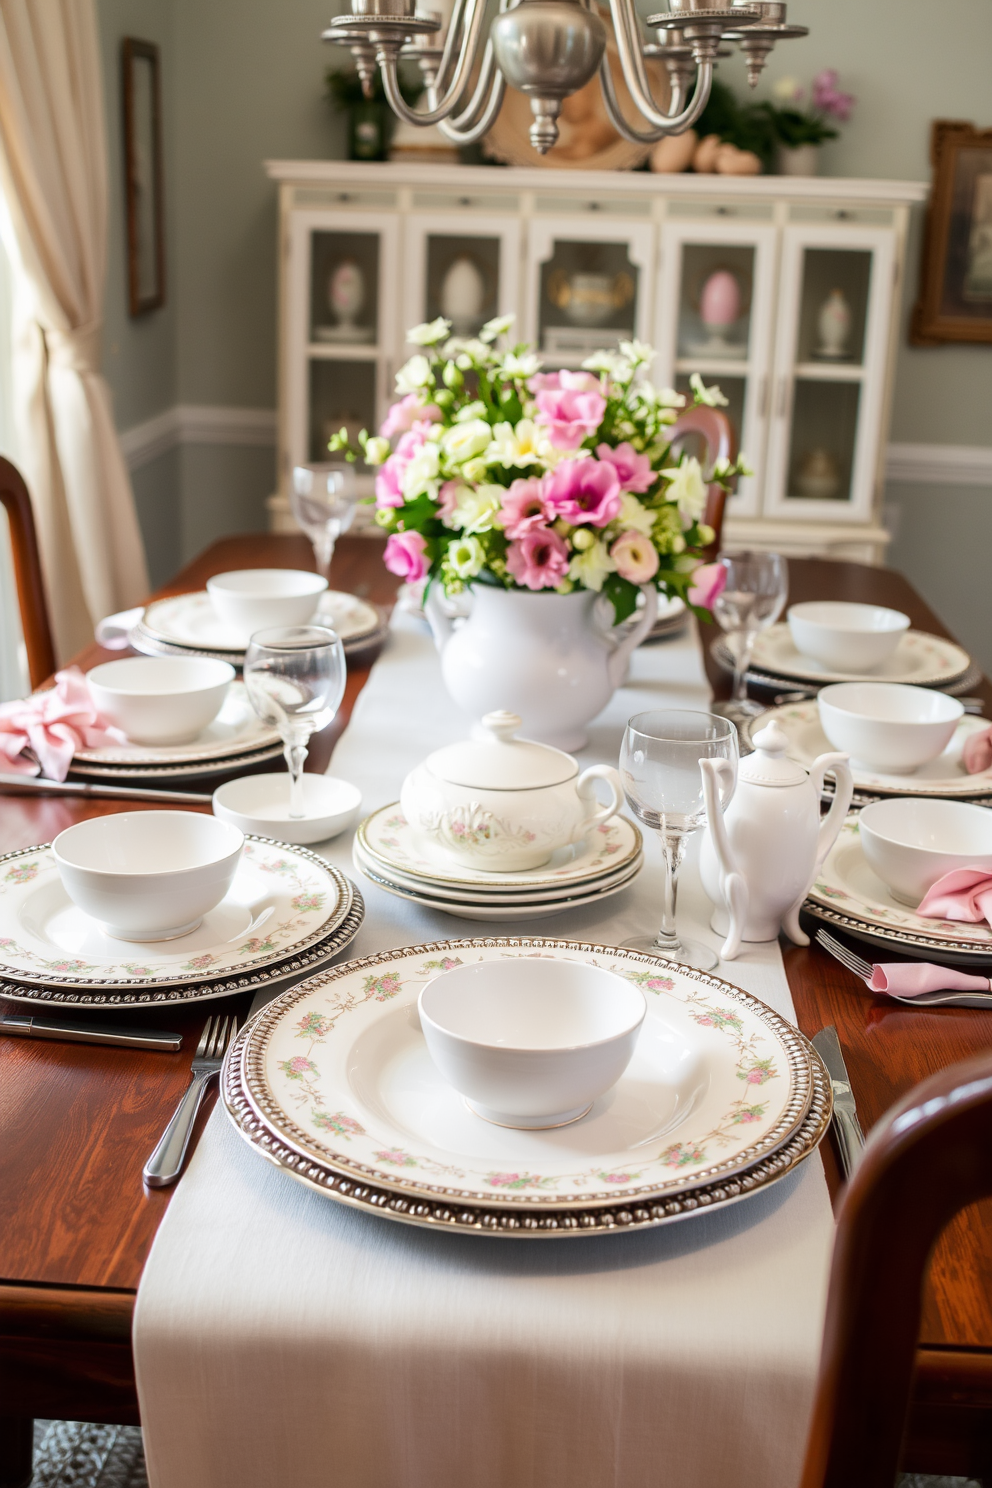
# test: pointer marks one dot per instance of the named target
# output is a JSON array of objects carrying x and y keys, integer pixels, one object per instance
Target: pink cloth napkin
[
  {"x": 976, "y": 755},
  {"x": 910, "y": 978},
  {"x": 53, "y": 725},
  {"x": 963, "y": 894}
]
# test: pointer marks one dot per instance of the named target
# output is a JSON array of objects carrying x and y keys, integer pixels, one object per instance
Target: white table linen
[{"x": 283, "y": 1339}]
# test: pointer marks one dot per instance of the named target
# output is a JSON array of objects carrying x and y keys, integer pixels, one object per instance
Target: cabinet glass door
[
  {"x": 463, "y": 268},
  {"x": 589, "y": 287},
  {"x": 714, "y": 317},
  {"x": 830, "y": 373}
]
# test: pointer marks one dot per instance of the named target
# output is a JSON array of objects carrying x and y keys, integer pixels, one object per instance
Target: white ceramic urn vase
[
  {"x": 759, "y": 857},
  {"x": 541, "y": 655}
]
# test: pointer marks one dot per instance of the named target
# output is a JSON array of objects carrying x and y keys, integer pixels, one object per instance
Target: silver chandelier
[{"x": 550, "y": 49}]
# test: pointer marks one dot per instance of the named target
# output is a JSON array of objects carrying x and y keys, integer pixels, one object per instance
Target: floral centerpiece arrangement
[
  {"x": 798, "y": 123},
  {"x": 490, "y": 471}
]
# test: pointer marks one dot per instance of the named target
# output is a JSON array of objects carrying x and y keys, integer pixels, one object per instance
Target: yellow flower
[
  {"x": 593, "y": 567},
  {"x": 687, "y": 489}
]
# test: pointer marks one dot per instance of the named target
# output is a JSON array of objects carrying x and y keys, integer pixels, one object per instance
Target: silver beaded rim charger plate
[
  {"x": 191, "y": 620},
  {"x": 284, "y": 900},
  {"x": 337, "y": 1070},
  {"x": 919, "y": 657},
  {"x": 849, "y": 894},
  {"x": 944, "y": 776},
  {"x": 237, "y": 730}
]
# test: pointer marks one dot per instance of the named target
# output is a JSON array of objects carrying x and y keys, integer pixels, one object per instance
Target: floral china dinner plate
[
  {"x": 337, "y": 1069},
  {"x": 200, "y": 770},
  {"x": 386, "y": 835},
  {"x": 944, "y": 776},
  {"x": 191, "y": 620},
  {"x": 478, "y": 894},
  {"x": 496, "y": 910},
  {"x": 236, "y": 730},
  {"x": 283, "y": 901},
  {"x": 919, "y": 658}
]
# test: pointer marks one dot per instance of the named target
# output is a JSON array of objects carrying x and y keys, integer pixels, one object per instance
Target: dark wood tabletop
[{"x": 78, "y": 1122}]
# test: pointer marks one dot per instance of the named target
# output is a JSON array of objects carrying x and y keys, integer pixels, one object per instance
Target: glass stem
[
  {"x": 295, "y": 754},
  {"x": 672, "y": 851},
  {"x": 742, "y": 662},
  {"x": 323, "y": 547}
]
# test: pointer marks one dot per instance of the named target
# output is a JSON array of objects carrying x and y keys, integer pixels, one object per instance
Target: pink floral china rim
[
  {"x": 919, "y": 658},
  {"x": 336, "y": 1069}
]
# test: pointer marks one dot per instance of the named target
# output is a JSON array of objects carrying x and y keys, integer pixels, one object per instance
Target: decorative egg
[
  {"x": 346, "y": 290},
  {"x": 674, "y": 152},
  {"x": 720, "y": 301},
  {"x": 704, "y": 157},
  {"x": 730, "y": 161},
  {"x": 463, "y": 296}
]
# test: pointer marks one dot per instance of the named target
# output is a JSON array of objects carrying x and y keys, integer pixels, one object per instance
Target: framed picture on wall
[
  {"x": 143, "y": 175},
  {"x": 955, "y": 301}
]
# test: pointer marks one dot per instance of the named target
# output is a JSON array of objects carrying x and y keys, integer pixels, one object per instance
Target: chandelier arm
[
  {"x": 636, "y": 78},
  {"x": 471, "y": 134},
  {"x": 453, "y": 97},
  {"x": 445, "y": 67},
  {"x": 628, "y": 132},
  {"x": 482, "y": 98}
]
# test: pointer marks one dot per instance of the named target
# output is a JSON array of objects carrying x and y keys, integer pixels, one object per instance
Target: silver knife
[
  {"x": 847, "y": 1127},
  {"x": 35, "y": 784},
  {"x": 89, "y": 1033}
]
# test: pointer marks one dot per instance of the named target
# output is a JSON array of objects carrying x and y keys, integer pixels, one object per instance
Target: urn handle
[
  {"x": 837, "y": 765},
  {"x": 586, "y": 792},
  {"x": 622, "y": 650},
  {"x": 438, "y": 618},
  {"x": 733, "y": 884}
]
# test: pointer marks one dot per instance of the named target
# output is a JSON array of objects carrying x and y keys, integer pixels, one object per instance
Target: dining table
[{"x": 77, "y": 1121}]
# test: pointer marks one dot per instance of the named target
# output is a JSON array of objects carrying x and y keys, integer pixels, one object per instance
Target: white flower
[
  {"x": 464, "y": 441},
  {"x": 513, "y": 365},
  {"x": 687, "y": 489},
  {"x": 429, "y": 332},
  {"x": 712, "y": 396},
  {"x": 421, "y": 473},
  {"x": 475, "y": 510},
  {"x": 376, "y": 450},
  {"x": 592, "y": 567},
  {"x": 638, "y": 353},
  {"x": 496, "y": 327},
  {"x": 470, "y": 411},
  {"x": 787, "y": 90},
  {"x": 609, "y": 362},
  {"x": 475, "y": 470},
  {"x": 634, "y": 516},
  {"x": 516, "y": 446},
  {"x": 474, "y": 354},
  {"x": 416, "y": 374},
  {"x": 465, "y": 557}
]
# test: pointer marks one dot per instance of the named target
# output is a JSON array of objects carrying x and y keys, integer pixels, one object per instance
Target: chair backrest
[
  {"x": 27, "y": 574},
  {"x": 717, "y": 435},
  {"x": 928, "y": 1157}
]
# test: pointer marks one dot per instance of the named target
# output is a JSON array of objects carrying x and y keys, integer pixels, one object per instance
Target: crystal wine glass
[
  {"x": 295, "y": 678},
  {"x": 753, "y": 598},
  {"x": 659, "y": 766},
  {"x": 323, "y": 498}
]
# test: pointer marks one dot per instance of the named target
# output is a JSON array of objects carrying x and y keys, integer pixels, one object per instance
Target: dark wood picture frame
[
  {"x": 144, "y": 194},
  {"x": 955, "y": 300}
]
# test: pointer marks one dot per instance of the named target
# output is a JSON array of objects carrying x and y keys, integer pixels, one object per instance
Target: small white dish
[
  {"x": 160, "y": 700},
  {"x": 846, "y": 637},
  {"x": 887, "y": 726},
  {"x": 148, "y": 875},
  {"x": 532, "y": 1046},
  {"x": 911, "y": 842},
  {"x": 250, "y": 599},
  {"x": 260, "y": 804}
]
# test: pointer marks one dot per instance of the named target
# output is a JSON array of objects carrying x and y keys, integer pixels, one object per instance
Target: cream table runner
[{"x": 285, "y": 1341}]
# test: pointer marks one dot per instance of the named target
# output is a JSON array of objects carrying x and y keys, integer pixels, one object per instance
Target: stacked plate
[
  {"x": 332, "y": 1082},
  {"x": 236, "y": 740},
  {"x": 402, "y": 861},
  {"x": 188, "y": 625},
  {"x": 286, "y": 912},
  {"x": 921, "y": 659}
]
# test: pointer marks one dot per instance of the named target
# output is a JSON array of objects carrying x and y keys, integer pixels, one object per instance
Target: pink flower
[
  {"x": 387, "y": 483},
  {"x": 635, "y": 556},
  {"x": 708, "y": 582},
  {"x": 404, "y": 414},
  {"x": 633, "y": 470},
  {"x": 539, "y": 559},
  {"x": 584, "y": 491},
  {"x": 447, "y": 500},
  {"x": 573, "y": 410},
  {"x": 544, "y": 382},
  {"x": 827, "y": 98},
  {"x": 524, "y": 508},
  {"x": 405, "y": 555},
  {"x": 412, "y": 442}
]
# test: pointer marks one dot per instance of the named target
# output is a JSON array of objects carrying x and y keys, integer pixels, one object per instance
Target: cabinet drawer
[
  {"x": 605, "y": 206},
  {"x": 720, "y": 211},
  {"x": 344, "y": 196},
  {"x": 838, "y": 212},
  {"x": 451, "y": 201}
]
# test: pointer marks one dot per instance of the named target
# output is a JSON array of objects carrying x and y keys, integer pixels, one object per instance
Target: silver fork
[
  {"x": 166, "y": 1162},
  {"x": 864, "y": 969}
]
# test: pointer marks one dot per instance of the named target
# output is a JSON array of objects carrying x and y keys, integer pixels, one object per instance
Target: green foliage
[
  {"x": 741, "y": 123},
  {"x": 622, "y": 594},
  {"x": 792, "y": 126}
]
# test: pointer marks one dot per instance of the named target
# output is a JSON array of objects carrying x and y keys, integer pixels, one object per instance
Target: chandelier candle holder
[{"x": 548, "y": 50}]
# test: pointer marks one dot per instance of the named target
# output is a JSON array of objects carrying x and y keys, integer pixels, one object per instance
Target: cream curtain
[{"x": 53, "y": 171}]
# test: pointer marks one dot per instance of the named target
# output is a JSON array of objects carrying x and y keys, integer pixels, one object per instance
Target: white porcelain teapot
[
  {"x": 505, "y": 803},
  {"x": 759, "y": 858}
]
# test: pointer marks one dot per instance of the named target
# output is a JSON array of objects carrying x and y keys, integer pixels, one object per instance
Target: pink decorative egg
[{"x": 720, "y": 301}]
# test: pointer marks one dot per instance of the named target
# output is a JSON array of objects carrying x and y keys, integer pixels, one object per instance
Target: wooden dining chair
[
  {"x": 928, "y": 1157},
  {"x": 27, "y": 574},
  {"x": 716, "y": 432}
]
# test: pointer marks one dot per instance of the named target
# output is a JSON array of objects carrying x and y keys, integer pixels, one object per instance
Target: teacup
[
  {"x": 160, "y": 699},
  {"x": 846, "y": 637},
  {"x": 887, "y": 726},
  {"x": 912, "y": 841},
  {"x": 531, "y": 1043},
  {"x": 148, "y": 875},
  {"x": 250, "y": 599}
]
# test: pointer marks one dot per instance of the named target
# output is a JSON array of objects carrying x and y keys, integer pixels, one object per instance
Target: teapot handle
[
  {"x": 733, "y": 885},
  {"x": 836, "y": 764},
  {"x": 438, "y": 618},
  {"x": 584, "y": 788},
  {"x": 617, "y": 661}
]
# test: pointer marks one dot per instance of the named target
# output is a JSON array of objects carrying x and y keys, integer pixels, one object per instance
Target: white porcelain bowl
[
  {"x": 531, "y": 1043},
  {"x": 910, "y": 842},
  {"x": 160, "y": 699},
  {"x": 846, "y": 637},
  {"x": 887, "y": 726},
  {"x": 148, "y": 875},
  {"x": 260, "y": 804},
  {"x": 250, "y": 599}
]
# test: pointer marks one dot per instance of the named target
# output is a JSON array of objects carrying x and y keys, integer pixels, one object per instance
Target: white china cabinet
[{"x": 782, "y": 290}]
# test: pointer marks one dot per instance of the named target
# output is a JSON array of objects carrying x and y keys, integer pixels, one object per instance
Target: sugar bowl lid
[
  {"x": 769, "y": 765},
  {"x": 499, "y": 760}
]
